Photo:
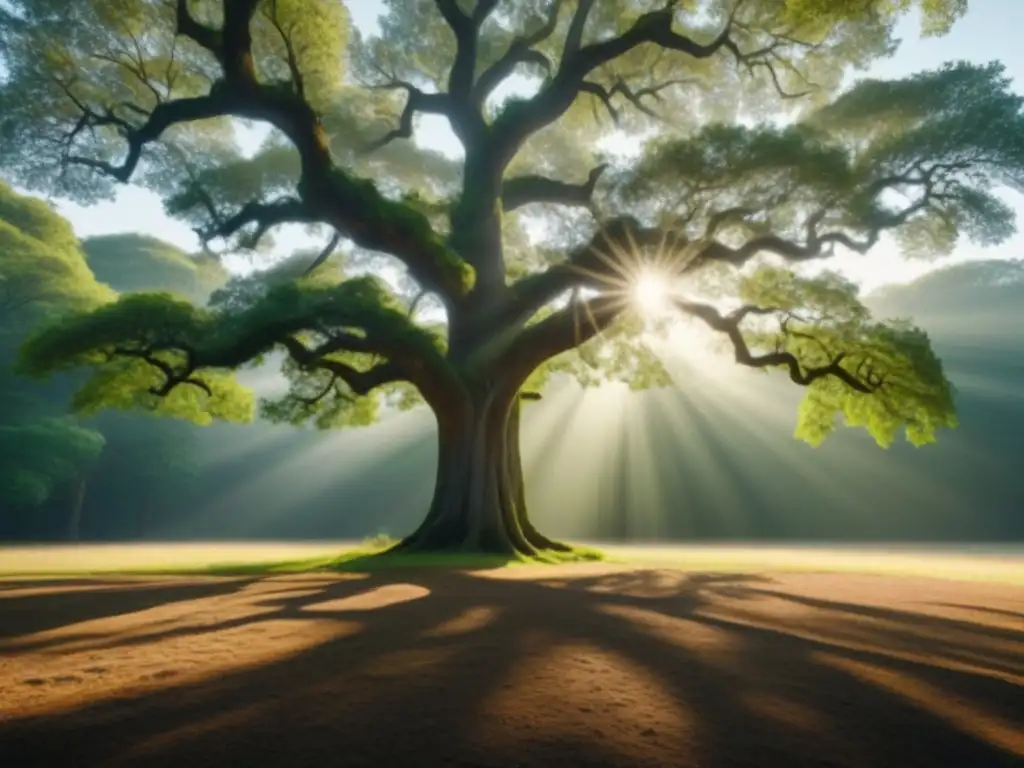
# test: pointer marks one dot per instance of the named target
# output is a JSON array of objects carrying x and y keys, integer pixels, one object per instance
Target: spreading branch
[
  {"x": 634, "y": 96},
  {"x": 523, "y": 190},
  {"x": 261, "y": 216},
  {"x": 359, "y": 382},
  {"x": 172, "y": 377},
  {"x": 815, "y": 245},
  {"x": 464, "y": 116},
  {"x": 863, "y": 379},
  {"x": 328, "y": 194},
  {"x": 520, "y": 51},
  {"x": 159, "y": 120},
  {"x": 574, "y": 38},
  {"x": 579, "y": 61},
  {"x": 417, "y": 102},
  {"x": 601, "y": 262}
]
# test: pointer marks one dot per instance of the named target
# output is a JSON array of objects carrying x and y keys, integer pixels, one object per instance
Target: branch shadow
[
  {"x": 984, "y": 609},
  {"x": 25, "y": 611},
  {"x": 633, "y": 668}
]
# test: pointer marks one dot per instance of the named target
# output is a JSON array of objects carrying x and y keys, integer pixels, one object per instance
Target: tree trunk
[
  {"x": 479, "y": 502},
  {"x": 77, "y": 502}
]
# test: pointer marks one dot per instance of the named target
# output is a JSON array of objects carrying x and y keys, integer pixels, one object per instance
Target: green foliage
[
  {"x": 937, "y": 16},
  {"x": 199, "y": 345},
  {"x": 107, "y": 339},
  {"x": 293, "y": 307},
  {"x": 128, "y": 384},
  {"x": 823, "y": 318},
  {"x": 915, "y": 396},
  {"x": 36, "y": 456},
  {"x": 318, "y": 397},
  {"x": 33, "y": 218},
  {"x": 147, "y": 320},
  {"x": 940, "y": 139},
  {"x": 134, "y": 60},
  {"x": 317, "y": 31},
  {"x": 42, "y": 274},
  {"x": 42, "y": 270}
]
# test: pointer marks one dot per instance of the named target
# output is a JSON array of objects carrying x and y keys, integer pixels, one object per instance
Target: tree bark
[{"x": 479, "y": 503}]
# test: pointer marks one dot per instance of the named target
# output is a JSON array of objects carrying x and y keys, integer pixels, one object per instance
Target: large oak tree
[{"x": 524, "y": 256}]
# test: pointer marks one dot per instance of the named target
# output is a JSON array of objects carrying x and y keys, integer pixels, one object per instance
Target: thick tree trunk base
[
  {"x": 441, "y": 539},
  {"x": 479, "y": 504}
]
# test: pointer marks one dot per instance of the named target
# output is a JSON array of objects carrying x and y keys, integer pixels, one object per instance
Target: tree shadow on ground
[
  {"x": 985, "y": 609},
  {"x": 39, "y": 605},
  {"x": 631, "y": 668}
]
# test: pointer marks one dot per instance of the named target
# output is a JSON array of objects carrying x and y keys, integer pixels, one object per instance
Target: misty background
[{"x": 712, "y": 460}]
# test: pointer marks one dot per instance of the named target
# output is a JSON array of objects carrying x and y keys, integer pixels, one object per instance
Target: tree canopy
[{"x": 719, "y": 144}]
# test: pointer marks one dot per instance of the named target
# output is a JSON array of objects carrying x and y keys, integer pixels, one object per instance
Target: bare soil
[{"x": 596, "y": 665}]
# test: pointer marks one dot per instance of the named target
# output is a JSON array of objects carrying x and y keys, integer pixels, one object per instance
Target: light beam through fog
[{"x": 715, "y": 458}]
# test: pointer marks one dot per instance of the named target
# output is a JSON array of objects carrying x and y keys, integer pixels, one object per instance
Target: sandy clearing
[{"x": 597, "y": 665}]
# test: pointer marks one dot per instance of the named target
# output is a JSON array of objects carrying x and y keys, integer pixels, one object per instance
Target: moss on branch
[{"x": 155, "y": 352}]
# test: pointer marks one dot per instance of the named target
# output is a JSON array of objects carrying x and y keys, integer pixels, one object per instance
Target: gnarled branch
[
  {"x": 578, "y": 61},
  {"x": 360, "y": 382},
  {"x": 417, "y": 101},
  {"x": 264, "y": 216},
  {"x": 172, "y": 377},
  {"x": 329, "y": 194},
  {"x": 520, "y": 51},
  {"x": 634, "y": 96},
  {"x": 599, "y": 261},
  {"x": 862, "y": 379}
]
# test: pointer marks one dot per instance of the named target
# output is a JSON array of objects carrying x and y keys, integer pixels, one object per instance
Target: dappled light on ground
[
  {"x": 96, "y": 642},
  {"x": 969, "y": 716},
  {"x": 373, "y": 599},
  {"x": 597, "y": 664}
]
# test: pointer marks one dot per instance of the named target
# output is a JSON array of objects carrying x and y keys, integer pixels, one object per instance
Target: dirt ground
[{"x": 596, "y": 665}]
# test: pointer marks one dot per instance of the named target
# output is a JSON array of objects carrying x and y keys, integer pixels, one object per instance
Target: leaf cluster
[{"x": 821, "y": 320}]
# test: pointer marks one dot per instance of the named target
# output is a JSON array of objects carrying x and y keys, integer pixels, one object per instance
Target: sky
[{"x": 990, "y": 31}]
